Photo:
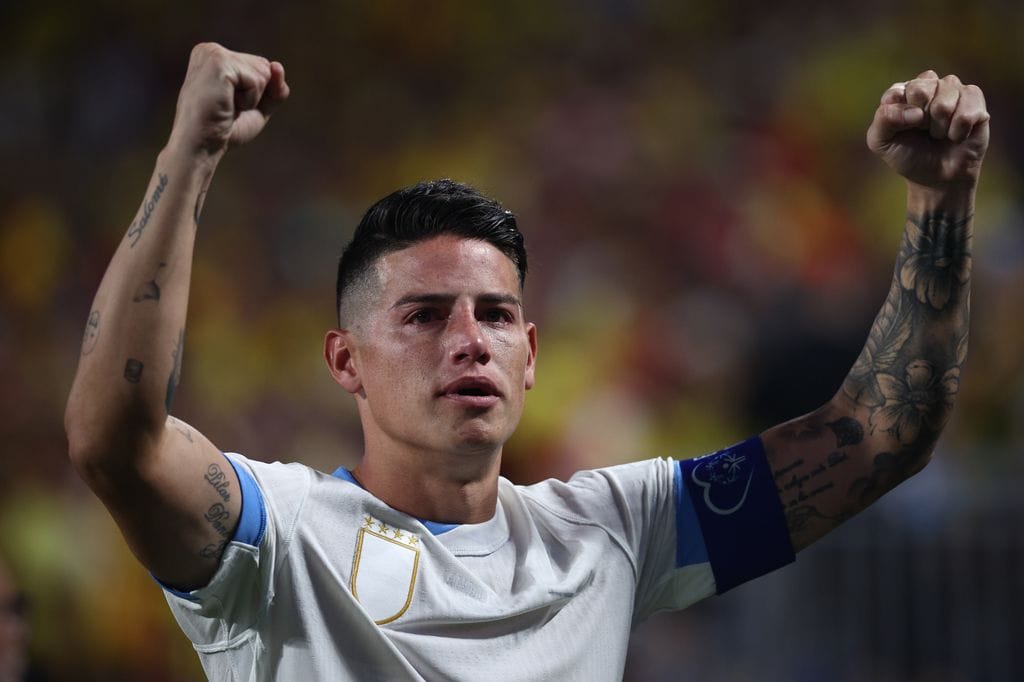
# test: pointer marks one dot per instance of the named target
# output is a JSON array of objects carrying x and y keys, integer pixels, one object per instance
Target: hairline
[{"x": 361, "y": 283}]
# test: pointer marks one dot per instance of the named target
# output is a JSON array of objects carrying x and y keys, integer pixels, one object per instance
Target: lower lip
[{"x": 478, "y": 401}]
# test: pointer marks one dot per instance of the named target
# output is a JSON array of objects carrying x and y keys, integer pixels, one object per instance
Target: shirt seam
[{"x": 580, "y": 521}]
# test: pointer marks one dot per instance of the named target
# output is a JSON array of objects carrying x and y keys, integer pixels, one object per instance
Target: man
[{"x": 421, "y": 562}]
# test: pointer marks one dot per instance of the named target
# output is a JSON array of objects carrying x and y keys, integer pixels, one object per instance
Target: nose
[{"x": 466, "y": 340}]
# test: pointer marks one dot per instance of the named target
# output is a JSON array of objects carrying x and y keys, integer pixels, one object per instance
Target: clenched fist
[
  {"x": 226, "y": 99},
  {"x": 933, "y": 131}
]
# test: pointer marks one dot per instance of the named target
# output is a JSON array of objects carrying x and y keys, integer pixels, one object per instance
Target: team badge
[
  {"x": 384, "y": 569},
  {"x": 724, "y": 477}
]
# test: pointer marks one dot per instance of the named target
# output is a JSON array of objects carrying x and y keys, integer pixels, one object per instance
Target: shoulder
[
  {"x": 632, "y": 476},
  {"x": 591, "y": 494},
  {"x": 279, "y": 488}
]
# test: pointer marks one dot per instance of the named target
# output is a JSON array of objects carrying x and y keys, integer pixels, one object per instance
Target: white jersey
[{"x": 323, "y": 581}]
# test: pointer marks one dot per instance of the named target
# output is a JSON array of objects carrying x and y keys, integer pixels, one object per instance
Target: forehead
[{"x": 447, "y": 265}]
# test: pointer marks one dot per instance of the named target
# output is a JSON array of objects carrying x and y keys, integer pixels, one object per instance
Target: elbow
[
  {"x": 99, "y": 445},
  {"x": 87, "y": 445}
]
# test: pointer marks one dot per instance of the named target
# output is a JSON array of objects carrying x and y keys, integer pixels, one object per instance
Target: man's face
[{"x": 442, "y": 355}]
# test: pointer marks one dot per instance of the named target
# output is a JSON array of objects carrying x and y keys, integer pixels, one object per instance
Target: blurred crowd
[{"x": 709, "y": 238}]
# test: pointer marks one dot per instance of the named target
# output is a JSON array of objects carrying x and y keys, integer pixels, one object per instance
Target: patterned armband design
[{"x": 739, "y": 513}]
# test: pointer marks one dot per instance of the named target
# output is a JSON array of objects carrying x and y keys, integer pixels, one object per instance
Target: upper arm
[
  {"x": 830, "y": 464},
  {"x": 177, "y": 503}
]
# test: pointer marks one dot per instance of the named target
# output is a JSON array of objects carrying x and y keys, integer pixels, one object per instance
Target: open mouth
[{"x": 472, "y": 391}]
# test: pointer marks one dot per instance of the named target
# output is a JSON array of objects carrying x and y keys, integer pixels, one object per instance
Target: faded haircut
[{"x": 418, "y": 213}]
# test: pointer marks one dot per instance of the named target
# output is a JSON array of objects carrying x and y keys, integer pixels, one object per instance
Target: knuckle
[
  {"x": 941, "y": 109},
  {"x": 205, "y": 48}
]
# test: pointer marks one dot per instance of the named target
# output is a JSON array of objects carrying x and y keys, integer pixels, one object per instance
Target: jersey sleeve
[
  {"x": 693, "y": 528},
  {"x": 220, "y": 614}
]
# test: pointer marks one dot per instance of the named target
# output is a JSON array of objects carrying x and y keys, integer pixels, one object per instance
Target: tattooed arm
[
  {"x": 882, "y": 425},
  {"x": 170, "y": 490}
]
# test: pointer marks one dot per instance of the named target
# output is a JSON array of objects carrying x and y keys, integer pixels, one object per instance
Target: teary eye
[
  {"x": 496, "y": 315},
  {"x": 422, "y": 316}
]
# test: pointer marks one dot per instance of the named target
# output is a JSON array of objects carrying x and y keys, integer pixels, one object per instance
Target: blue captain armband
[{"x": 735, "y": 503}]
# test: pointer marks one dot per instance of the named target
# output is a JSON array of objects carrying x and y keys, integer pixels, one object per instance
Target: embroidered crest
[
  {"x": 721, "y": 475},
  {"x": 384, "y": 569}
]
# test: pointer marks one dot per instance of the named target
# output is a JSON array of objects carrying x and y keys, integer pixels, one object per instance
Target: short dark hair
[{"x": 421, "y": 212}]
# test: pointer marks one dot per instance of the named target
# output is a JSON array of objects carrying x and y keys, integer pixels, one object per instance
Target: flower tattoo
[
  {"x": 888, "y": 335},
  {"x": 920, "y": 399},
  {"x": 938, "y": 259}
]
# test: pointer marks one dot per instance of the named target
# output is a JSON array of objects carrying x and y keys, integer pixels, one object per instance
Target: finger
[
  {"x": 971, "y": 114},
  {"x": 920, "y": 91},
  {"x": 891, "y": 119},
  {"x": 942, "y": 106},
  {"x": 896, "y": 94},
  {"x": 277, "y": 90}
]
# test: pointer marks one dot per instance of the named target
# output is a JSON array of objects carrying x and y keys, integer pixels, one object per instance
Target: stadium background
[{"x": 710, "y": 241}]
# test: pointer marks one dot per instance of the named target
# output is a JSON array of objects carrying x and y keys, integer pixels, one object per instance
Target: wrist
[
  {"x": 953, "y": 199},
  {"x": 195, "y": 166}
]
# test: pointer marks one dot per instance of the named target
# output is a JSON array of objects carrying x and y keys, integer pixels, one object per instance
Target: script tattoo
[
  {"x": 150, "y": 291},
  {"x": 216, "y": 516},
  {"x": 798, "y": 517},
  {"x": 139, "y": 224},
  {"x": 172, "y": 381},
  {"x": 213, "y": 550},
  {"x": 218, "y": 480},
  {"x": 803, "y": 480},
  {"x": 92, "y": 332},
  {"x": 133, "y": 370}
]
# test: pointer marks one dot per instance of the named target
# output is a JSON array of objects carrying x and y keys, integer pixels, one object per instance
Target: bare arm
[
  {"x": 172, "y": 493},
  {"x": 882, "y": 426}
]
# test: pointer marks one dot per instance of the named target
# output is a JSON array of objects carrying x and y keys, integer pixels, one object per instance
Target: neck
[{"x": 443, "y": 487}]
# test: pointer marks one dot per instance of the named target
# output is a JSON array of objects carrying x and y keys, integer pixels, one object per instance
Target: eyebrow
[{"x": 448, "y": 299}]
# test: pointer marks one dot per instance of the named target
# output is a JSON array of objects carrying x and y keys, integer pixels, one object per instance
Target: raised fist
[
  {"x": 226, "y": 99},
  {"x": 933, "y": 131}
]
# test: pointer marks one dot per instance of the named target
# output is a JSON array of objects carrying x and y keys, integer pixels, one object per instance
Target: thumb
[{"x": 891, "y": 119}]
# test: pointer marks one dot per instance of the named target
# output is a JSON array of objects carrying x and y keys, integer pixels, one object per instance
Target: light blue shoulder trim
[
  {"x": 434, "y": 527},
  {"x": 252, "y": 519},
  {"x": 690, "y": 547}
]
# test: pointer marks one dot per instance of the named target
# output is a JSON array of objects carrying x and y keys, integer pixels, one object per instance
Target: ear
[
  {"x": 338, "y": 352},
  {"x": 531, "y": 335}
]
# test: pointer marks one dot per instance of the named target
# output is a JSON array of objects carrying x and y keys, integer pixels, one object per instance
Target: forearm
[
  {"x": 905, "y": 381},
  {"x": 882, "y": 425},
  {"x": 132, "y": 348}
]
